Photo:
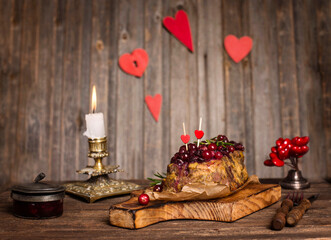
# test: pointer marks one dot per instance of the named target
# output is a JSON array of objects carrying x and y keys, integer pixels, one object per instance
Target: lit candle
[{"x": 95, "y": 127}]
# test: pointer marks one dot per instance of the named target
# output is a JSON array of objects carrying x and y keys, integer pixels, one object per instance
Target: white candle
[{"x": 95, "y": 126}]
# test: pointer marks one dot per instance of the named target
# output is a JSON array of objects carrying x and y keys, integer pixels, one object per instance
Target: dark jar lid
[{"x": 38, "y": 191}]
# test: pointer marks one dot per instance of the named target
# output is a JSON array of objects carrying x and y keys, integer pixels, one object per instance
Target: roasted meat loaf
[{"x": 215, "y": 161}]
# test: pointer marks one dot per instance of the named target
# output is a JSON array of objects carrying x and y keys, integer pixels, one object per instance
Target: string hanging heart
[
  {"x": 180, "y": 28},
  {"x": 134, "y": 63}
]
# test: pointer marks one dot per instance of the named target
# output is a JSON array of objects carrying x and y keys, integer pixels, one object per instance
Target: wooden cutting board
[{"x": 253, "y": 197}]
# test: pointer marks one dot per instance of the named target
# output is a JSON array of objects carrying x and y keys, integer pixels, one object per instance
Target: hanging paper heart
[
  {"x": 238, "y": 48},
  {"x": 185, "y": 138},
  {"x": 180, "y": 28},
  {"x": 134, "y": 63},
  {"x": 154, "y": 105},
  {"x": 199, "y": 134}
]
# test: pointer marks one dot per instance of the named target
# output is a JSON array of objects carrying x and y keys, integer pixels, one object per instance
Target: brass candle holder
[{"x": 99, "y": 185}]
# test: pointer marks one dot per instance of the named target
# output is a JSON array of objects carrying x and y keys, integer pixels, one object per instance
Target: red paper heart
[
  {"x": 185, "y": 138},
  {"x": 154, "y": 105},
  {"x": 180, "y": 28},
  {"x": 238, "y": 48},
  {"x": 199, "y": 134},
  {"x": 134, "y": 63}
]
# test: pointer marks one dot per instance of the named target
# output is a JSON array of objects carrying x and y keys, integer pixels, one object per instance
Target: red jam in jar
[
  {"x": 38, "y": 210},
  {"x": 38, "y": 200}
]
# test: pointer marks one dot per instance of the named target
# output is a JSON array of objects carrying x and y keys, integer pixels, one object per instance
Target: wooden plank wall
[{"x": 52, "y": 52}]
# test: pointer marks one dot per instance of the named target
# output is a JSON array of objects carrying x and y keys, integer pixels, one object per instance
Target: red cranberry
[
  {"x": 225, "y": 152},
  {"x": 198, "y": 153},
  {"x": 239, "y": 147},
  {"x": 179, "y": 162},
  {"x": 184, "y": 156},
  {"x": 192, "y": 152},
  {"x": 183, "y": 147},
  {"x": 158, "y": 188},
  {"x": 181, "y": 151},
  {"x": 173, "y": 160},
  {"x": 231, "y": 149},
  {"x": 203, "y": 147},
  {"x": 218, "y": 155},
  {"x": 192, "y": 146},
  {"x": 177, "y": 155},
  {"x": 212, "y": 147},
  {"x": 222, "y": 138},
  {"x": 143, "y": 199},
  {"x": 206, "y": 154},
  {"x": 212, "y": 153}
]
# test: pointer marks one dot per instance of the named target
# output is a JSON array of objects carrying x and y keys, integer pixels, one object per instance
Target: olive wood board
[{"x": 253, "y": 197}]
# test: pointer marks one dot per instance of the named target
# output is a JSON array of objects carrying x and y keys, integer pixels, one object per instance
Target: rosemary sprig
[
  {"x": 218, "y": 143},
  {"x": 158, "y": 180}
]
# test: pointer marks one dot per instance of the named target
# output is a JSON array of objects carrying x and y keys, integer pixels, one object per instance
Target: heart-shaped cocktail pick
[{"x": 185, "y": 138}]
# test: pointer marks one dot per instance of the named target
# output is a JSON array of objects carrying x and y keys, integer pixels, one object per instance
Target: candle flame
[{"x": 94, "y": 99}]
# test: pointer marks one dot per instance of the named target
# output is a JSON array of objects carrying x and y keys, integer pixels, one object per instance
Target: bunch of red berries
[{"x": 287, "y": 149}]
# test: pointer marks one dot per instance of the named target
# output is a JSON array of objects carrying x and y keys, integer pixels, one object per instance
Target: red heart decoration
[
  {"x": 154, "y": 105},
  {"x": 305, "y": 140},
  {"x": 294, "y": 140},
  {"x": 283, "y": 154},
  {"x": 134, "y": 63},
  {"x": 238, "y": 48},
  {"x": 268, "y": 163},
  {"x": 199, "y": 134},
  {"x": 185, "y": 138},
  {"x": 304, "y": 150},
  {"x": 279, "y": 142},
  {"x": 274, "y": 150},
  {"x": 301, "y": 141},
  {"x": 277, "y": 162},
  {"x": 296, "y": 149},
  {"x": 180, "y": 28},
  {"x": 273, "y": 155},
  {"x": 287, "y": 141}
]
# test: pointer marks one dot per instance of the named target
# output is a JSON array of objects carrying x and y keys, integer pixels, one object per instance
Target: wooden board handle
[
  {"x": 294, "y": 216},
  {"x": 279, "y": 220}
]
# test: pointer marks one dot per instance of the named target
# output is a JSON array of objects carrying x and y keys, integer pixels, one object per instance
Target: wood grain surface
[
  {"x": 52, "y": 52},
  {"x": 81, "y": 220},
  {"x": 253, "y": 197}
]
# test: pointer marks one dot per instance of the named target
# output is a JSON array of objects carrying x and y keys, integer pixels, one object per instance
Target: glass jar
[{"x": 38, "y": 200}]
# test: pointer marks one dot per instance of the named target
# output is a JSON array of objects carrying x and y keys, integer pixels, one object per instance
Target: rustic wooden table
[{"x": 90, "y": 221}]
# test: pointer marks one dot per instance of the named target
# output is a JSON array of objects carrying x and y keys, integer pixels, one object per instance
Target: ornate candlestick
[{"x": 99, "y": 185}]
